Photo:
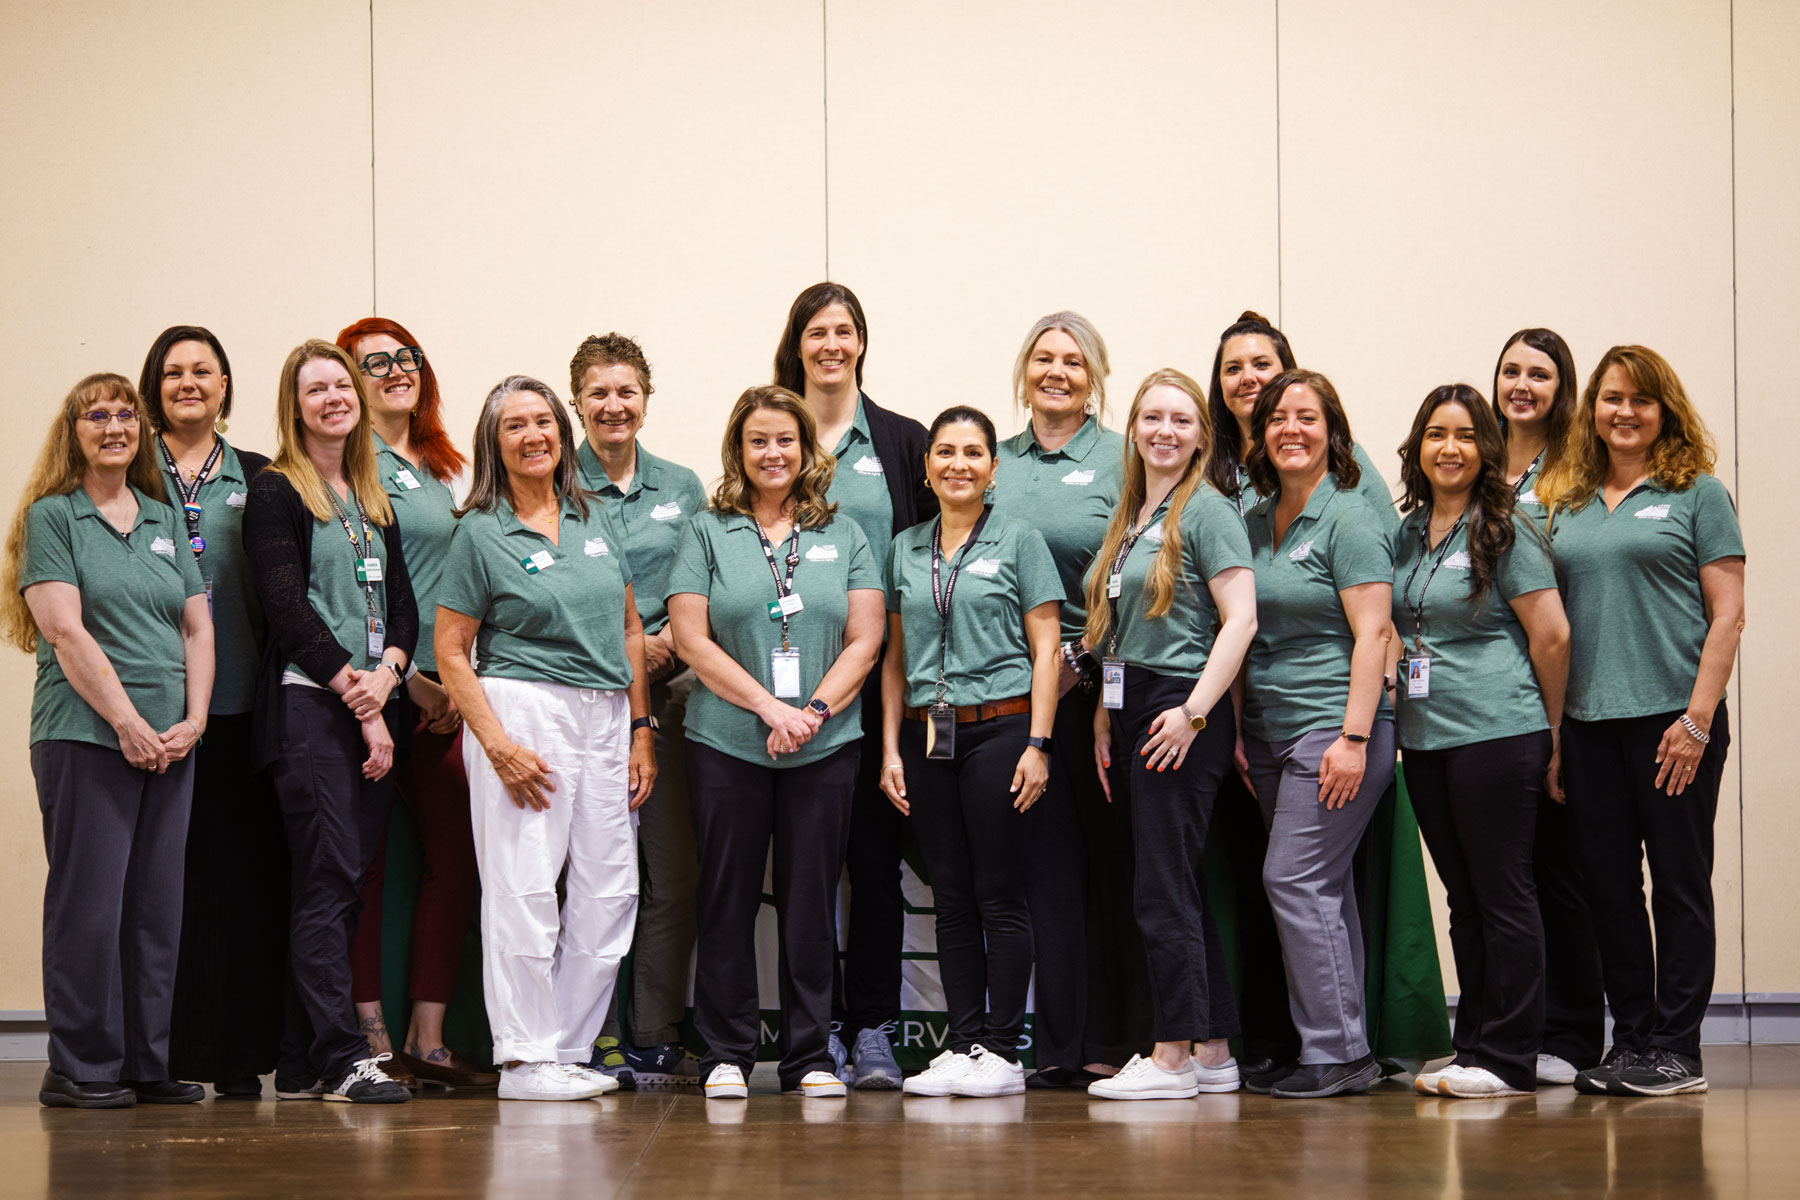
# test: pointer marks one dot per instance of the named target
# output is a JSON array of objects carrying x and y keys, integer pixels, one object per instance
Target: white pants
[{"x": 549, "y": 977}]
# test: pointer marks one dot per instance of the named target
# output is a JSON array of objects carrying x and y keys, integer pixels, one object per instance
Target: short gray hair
[{"x": 490, "y": 484}]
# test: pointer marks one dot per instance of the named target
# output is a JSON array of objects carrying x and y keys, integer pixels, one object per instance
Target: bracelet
[
  {"x": 1353, "y": 737},
  {"x": 197, "y": 734},
  {"x": 1068, "y": 653},
  {"x": 1694, "y": 731},
  {"x": 503, "y": 762}
]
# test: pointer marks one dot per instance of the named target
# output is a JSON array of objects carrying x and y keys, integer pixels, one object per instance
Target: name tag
[
  {"x": 822, "y": 554},
  {"x": 235, "y": 500},
  {"x": 787, "y": 606},
  {"x": 162, "y": 546},
  {"x": 1303, "y": 550},
  {"x": 1418, "y": 678},
  {"x": 543, "y": 560},
  {"x": 868, "y": 464},
  {"x": 1078, "y": 478},
  {"x": 666, "y": 512},
  {"x": 368, "y": 570},
  {"x": 377, "y": 636},
  {"x": 1114, "y": 585},
  {"x": 784, "y": 674},
  {"x": 989, "y": 567},
  {"x": 1112, "y": 683},
  {"x": 595, "y": 547},
  {"x": 406, "y": 479},
  {"x": 1655, "y": 512}
]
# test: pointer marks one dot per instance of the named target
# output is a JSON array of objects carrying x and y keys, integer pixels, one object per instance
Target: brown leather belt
[{"x": 967, "y": 713}]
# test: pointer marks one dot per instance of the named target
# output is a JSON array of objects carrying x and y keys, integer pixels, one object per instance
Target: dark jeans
[
  {"x": 1658, "y": 993},
  {"x": 1190, "y": 987},
  {"x": 870, "y": 995},
  {"x": 1477, "y": 806},
  {"x": 738, "y": 807},
  {"x": 1574, "y": 994},
  {"x": 974, "y": 844}
]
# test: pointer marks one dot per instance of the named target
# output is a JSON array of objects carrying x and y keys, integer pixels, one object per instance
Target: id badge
[
  {"x": 368, "y": 570},
  {"x": 1112, "y": 683},
  {"x": 784, "y": 673},
  {"x": 377, "y": 636},
  {"x": 406, "y": 479},
  {"x": 1115, "y": 584},
  {"x": 1418, "y": 678},
  {"x": 940, "y": 731}
]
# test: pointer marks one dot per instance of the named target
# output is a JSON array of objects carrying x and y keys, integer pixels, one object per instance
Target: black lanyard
[
  {"x": 1424, "y": 552},
  {"x": 1118, "y": 567},
  {"x": 1519, "y": 487},
  {"x": 190, "y": 507},
  {"x": 356, "y": 547},
  {"x": 783, "y": 587},
  {"x": 940, "y": 597}
]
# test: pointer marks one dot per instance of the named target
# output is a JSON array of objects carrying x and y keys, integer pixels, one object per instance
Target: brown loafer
[{"x": 456, "y": 1073}]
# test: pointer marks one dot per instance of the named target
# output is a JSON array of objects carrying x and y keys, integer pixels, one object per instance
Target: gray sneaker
[
  {"x": 876, "y": 1070},
  {"x": 840, "y": 1057}
]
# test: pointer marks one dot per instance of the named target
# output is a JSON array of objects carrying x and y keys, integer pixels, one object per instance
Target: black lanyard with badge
[
  {"x": 1418, "y": 663},
  {"x": 784, "y": 661},
  {"x": 368, "y": 568},
  {"x": 1112, "y": 667},
  {"x": 190, "y": 499},
  {"x": 940, "y": 725},
  {"x": 1519, "y": 487}
]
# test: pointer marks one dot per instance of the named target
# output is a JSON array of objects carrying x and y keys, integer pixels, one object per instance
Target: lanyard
[
  {"x": 783, "y": 587},
  {"x": 1243, "y": 485},
  {"x": 1118, "y": 566},
  {"x": 190, "y": 507},
  {"x": 1519, "y": 487},
  {"x": 1424, "y": 551},
  {"x": 356, "y": 547},
  {"x": 940, "y": 598}
]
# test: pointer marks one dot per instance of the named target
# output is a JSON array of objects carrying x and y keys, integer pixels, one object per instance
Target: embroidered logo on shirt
[
  {"x": 822, "y": 554},
  {"x": 868, "y": 464},
  {"x": 989, "y": 567},
  {"x": 666, "y": 512},
  {"x": 595, "y": 547},
  {"x": 164, "y": 547},
  {"x": 235, "y": 500},
  {"x": 1458, "y": 561},
  {"x": 1154, "y": 533},
  {"x": 1532, "y": 497},
  {"x": 1303, "y": 550},
  {"x": 1078, "y": 478},
  {"x": 1656, "y": 512}
]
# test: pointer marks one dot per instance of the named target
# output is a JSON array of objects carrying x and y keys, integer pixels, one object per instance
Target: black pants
[
  {"x": 1190, "y": 989},
  {"x": 1239, "y": 836},
  {"x": 334, "y": 820},
  {"x": 1574, "y": 994},
  {"x": 1477, "y": 807},
  {"x": 974, "y": 845},
  {"x": 738, "y": 807},
  {"x": 870, "y": 995},
  {"x": 231, "y": 980},
  {"x": 1658, "y": 994},
  {"x": 114, "y": 836}
]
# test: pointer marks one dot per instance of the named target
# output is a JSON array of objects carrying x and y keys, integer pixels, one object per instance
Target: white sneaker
[
  {"x": 544, "y": 1081},
  {"x": 1551, "y": 1069},
  {"x": 726, "y": 1083},
  {"x": 939, "y": 1079},
  {"x": 1222, "y": 1078},
  {"x": 1426, "y": 1082},
  {"x": 1142, "y": 1079},
  {"x": 821, "y": 1085},
  {"x": 1473, "y": 1083},
  {"x": 989, "y": 1075},
  {"x": 600, "y": 1079}
]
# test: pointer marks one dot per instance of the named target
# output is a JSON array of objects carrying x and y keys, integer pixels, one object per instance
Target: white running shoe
[
  {"x": 545, "y": 1081},
  {"x": 989, "y": 1075},
  {"x": 1551, "y": 1069},
  {"x": 821, "y": 1085},
  {"x": 1426, "y": 1082},
  {"x": 600, "y": 1079},
  {"x": 939, "y": 1079},
  {"x": 1142, "y": 1079},
  {"x": 726, "y": 1083},
  {"x": 1222, "y": 1078},
  {"x": 1474, "y": 1083}
]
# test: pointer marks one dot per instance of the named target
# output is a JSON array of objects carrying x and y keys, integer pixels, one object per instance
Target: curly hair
[
  {"x": 1227, "y": 453},
  {"x": 817, "y": 467},
  {"x": 426, "y": 425},
  {"x": 1340, "y": 447},
  {"x": 608, "y": 350},
  {"x": 1683, "y": 450},
  {"x": 1491, "y": 503}
]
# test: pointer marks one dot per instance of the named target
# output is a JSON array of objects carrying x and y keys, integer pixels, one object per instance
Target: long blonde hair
[
  {"x": 60, "y": 468},
  {"x": 1683, "y": 450},
  {"x": 1165, "y": 569},
  {"x": 359, "y": 447},
  {"x": 811, "y": 481}
]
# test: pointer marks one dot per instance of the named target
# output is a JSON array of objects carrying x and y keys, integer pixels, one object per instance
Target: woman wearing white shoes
[{"x": 968, "y": 702}]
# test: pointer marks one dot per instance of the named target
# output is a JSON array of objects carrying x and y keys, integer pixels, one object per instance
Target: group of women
[{"x": 606, "y": 696}]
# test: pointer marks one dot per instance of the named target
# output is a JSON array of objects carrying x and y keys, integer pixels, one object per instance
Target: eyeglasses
[
  {"x": 381, "y": 364},
  {"x": 100, "y": 418}
]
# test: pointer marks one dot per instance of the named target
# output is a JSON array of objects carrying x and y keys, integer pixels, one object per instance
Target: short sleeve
[
  {"x": 693, "y": 569},
  {"x": 1361, "y": 550},
  {"x": 893, "y": 576},
  {"x": 1038, "y": 581},
  {"x": 1219, "y": 538},
  {"x": 464, "y": 587},
  {"x": 1526, "y": 567},
  {"x": 1716, "y": 531},
  {"x": 191, "y": 581},
  {"x": 864, "y": 571},
  {"x": 49, "y": 544}
]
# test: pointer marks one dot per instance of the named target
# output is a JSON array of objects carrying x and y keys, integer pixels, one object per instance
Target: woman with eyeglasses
[{"x": 101, "y": 586}]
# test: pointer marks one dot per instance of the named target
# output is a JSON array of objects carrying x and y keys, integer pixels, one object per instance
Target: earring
[
  {"x": 987, "y": 494},
  {"x": 219, "y": 426},
  {"x": 1090, "y": 406}
]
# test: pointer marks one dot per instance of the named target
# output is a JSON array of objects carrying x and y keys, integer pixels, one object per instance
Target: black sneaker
[
  {"x": 367, "y": 1083},
  {"x": 1660, "y": 1072},
  {"x": 1603, "y": 1080},
  {"x": 1264, "y": 1075},
  {"x": 1315, "y": 1081}
]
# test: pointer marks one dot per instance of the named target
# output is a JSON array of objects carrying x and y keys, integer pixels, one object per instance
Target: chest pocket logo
[
  {"x": 666, "y": 512},
  {"x": 822, "y": 554},
  {"x": 235, "y": 500},
  {"x": 595, "y": 547},
  {"x": 868, "y": 464},
  {"x": 1458, "y": 561},
  {"x": 1154, "y": 534},
  {"x": 1078, "y": 478},
  {"x": 163, "y": 546},
  {"x": 1303, "y": 550},
  {"x": 988, "y": 567},
  {"x": 1655, "y": 512}
]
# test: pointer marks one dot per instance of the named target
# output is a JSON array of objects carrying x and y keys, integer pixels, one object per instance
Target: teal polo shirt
[
  {"x": 425, "y": 509},
  {"x": 1299, "y": 669},
  {"x": 859, "y": 487},
  {"x": 1005, "y": 573},
  {"x": 1529, "y": 502},
  {"x": 650, "y": 515},
  {"x": 236, "y": 613},
  {"x": 1369, "y": 485},
  {"x": 1483, "y": 686},
  {"x": 550, "y": 611},
  {"x": 134, "y": 588},
  {"x": 1631, "y": 585},
  {"x": 1068, "y": 495},
  {"x": 334, "y": 592},
  {"x": 722, "y": 559}
]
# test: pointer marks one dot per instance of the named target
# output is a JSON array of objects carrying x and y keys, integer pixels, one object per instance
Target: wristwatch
[
  {"x": 1194, "y": 723},
  {"x": 649, "y": 723},
  {"x": 820, "y": 707},
  {"x": 1036, "y": 743},
  {"x": 399, "y": 674}
]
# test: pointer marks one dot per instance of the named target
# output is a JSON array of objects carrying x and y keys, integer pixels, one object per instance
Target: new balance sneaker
[
  {"x": 1603, "y": 1080},
  {"x": 989, "y": 1075},
  {"x": 1660, "y": 1072},
  {"x": 938, "y": 1079},
  {"x": 1316, "y": 1081},
  {"x": 367, "y": 1083},
  {"x": 547, "y": 1081},
  {"x": 663, "y": 1065},
  {"x": 1474, "y": 1083},
  {"x": 609, "y": 1059},
  {"x": 1142, "y": 1079},
  {"x": 1552, "y": 1069},
  {"x": 876, "y": 1070},
  {"x": 726, "y": 1082},
  {"x": 600, "y": 1079},
  {"x": 821, "y": 1085},
  {"x": 1222, "y": 1078}
]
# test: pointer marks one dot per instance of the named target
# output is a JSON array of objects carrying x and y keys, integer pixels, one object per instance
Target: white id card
[
  {"x": 1115, "y": 584},
  {"x": 368, "y": 570},
  {"x": 1418, "y": 678},
  {"x": 377, "y": 636},
  {"x": 1112, "y": 683},
  {"x": 406, "y": 479},
  {"x": 784, "y": 673},
  {"x": 790, "y": 604}
]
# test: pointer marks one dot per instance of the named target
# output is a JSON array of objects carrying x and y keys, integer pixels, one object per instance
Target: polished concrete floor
[{"x": 1741, "y": 1139}]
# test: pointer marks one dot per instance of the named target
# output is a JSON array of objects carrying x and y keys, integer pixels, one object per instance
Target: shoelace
[
  {"x": 947, "y": 1061},
  {"x": 1139, "y": 1065},
  {"x": 369, "y": 1070}
]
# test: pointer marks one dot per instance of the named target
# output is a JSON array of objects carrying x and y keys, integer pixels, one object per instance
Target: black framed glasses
[
  {"x": 382, "y": 364},
  {"x": 100, "y": 418}
]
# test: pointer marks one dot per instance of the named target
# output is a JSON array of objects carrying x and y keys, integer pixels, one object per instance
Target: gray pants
[
  {"x": 116, "y": 838},
  {"x": 1309, "y": 876}
]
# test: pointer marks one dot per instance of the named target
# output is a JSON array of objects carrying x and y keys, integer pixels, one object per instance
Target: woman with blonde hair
[
  {"x": 99, "y": 584},
  {"x": 1652, "y": 565},
  {"x": 326, "y": 556},
  {"x": 1171, "y": 609}
]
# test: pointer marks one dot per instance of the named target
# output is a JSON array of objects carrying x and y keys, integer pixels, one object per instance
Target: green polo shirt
[
  {"x": 722, "y": 559},
  {"x": 424, "y": 508},
  {"x": 1482, "y": 683},
  {"x": 1369, "y": 485},
  {"x": 133, "y": 590},
  {"x": 1531, "y": 504},
  {"x": 333, "y": 590},
  {"x": 859, "y": 487},
  {"x": 1631, "y": 585},
  {"x": 1068, "y": 495},
  {"x": 650, "y": 516},
  {"x": 1005, "y": 574},
  {"x": 550, "y": 612},
  {"x": 236, "y": 615},
  {"x": 1177, "y": 643},
  {"x": 1299, "y": 671}
]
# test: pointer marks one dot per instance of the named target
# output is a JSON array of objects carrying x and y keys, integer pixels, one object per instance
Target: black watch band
[
  {"x": 638, "y": 723},
  {"x": 1038, "y": 743},
  {"x": 1353, "y": 737}
]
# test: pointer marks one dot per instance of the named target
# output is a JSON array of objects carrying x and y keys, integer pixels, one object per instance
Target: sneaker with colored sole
[
  {"x": 821, "y": 1085},
  {"x": 1142, "y": 1079},
  {"x": 609, "y": 1059},
  {"x": 726, "y": 1082}
]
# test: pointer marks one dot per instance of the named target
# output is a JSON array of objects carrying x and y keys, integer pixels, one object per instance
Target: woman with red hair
[{"x": 422, "y": 473}]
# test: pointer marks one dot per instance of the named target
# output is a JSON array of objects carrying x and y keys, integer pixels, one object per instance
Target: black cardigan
[
  {"x": 278, "y": 531},
  {"x": 900, "y": 445}
]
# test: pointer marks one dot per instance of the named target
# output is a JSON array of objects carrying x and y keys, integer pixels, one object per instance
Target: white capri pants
[{"x": 548, "y": 977}]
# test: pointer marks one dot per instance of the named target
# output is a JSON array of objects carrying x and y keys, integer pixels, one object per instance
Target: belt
[{"x": 967, "y": 713}]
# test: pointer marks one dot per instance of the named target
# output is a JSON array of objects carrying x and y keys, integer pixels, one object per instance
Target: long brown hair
[
  {"x": 1490, "y": 514},
  {"x": 790, "y": 373},
  {"x": 1227, "y": 444},
  {"x": 359, "y": 448},
  {"x": 59, "y": 470},
  {"x": 1340, "y": 446},
  {"x": 1683, "y": 450},
  {"x": 1550, "y": 344},
  {"x": 1165, "y": 569},
  {"x": 811, "y": 481},
  {"x": 426, "y": 424}
]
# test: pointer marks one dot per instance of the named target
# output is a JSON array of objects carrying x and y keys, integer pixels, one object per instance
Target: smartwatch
[
  {"x": 820, "y": 707},
  {"x": 649, "y": 723},
  {"x": 399, "y": 672},
  {"x": 1042, "y": 743}
]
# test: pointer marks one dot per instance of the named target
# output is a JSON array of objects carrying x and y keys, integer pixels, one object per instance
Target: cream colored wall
[{"x": 1400, "y": 184}]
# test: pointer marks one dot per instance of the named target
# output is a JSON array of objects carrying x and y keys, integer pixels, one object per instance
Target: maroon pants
[{"x": 431, "y": 781}]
